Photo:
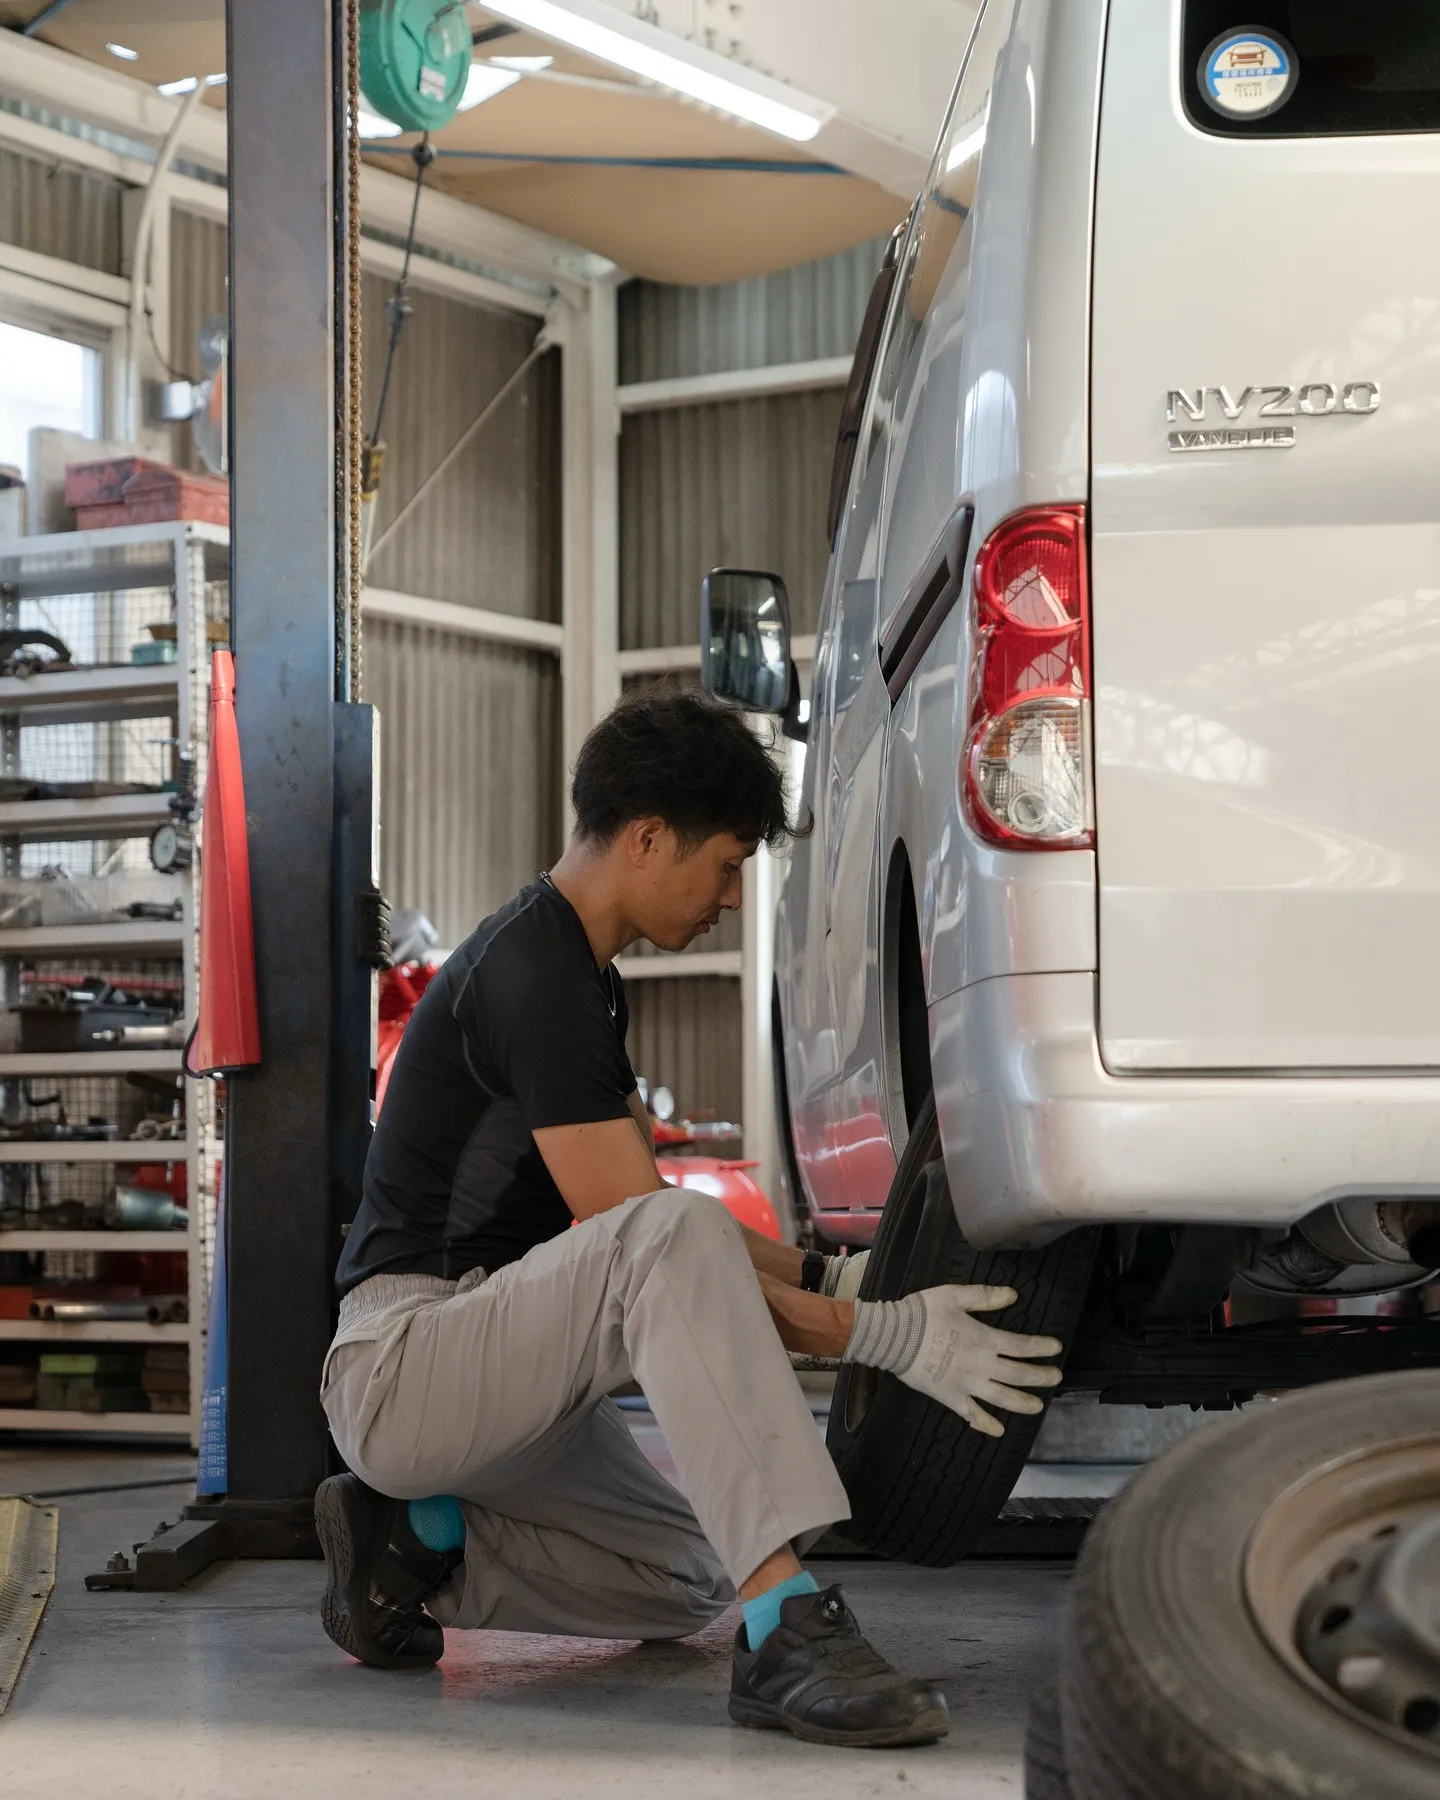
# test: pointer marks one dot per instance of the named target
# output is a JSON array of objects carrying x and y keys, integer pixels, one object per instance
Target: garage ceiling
[{"x": 664, "y": 188}]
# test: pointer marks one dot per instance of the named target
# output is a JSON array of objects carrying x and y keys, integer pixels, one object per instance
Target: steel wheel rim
[{"x": 1311, "y": 1532}]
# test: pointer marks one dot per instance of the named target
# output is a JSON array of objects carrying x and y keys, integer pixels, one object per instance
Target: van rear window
[{"x": 1311, "y": 68}]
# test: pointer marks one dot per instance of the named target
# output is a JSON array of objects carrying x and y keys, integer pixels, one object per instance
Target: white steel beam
[
  {"x": 468, "y": 621},
  {"x": 72, "y": 278},
  {"x": 675, "y": 659},
  {"x": 756, "y": 980},
  {"x": 457, "y": 284},
  {"x": 734, "y": 384},
  {"x": 61, "y": 303},
  {"x": 569, "y": 325},
  {"x": 604, "y": 497}
]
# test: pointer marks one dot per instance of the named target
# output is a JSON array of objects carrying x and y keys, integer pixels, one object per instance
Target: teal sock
[
  {"x": 763, "y": 1614},
  {"x": 438, "y": 1522}
]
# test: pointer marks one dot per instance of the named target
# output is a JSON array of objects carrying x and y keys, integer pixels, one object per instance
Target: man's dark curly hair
[{"x": 682, "y": 757}]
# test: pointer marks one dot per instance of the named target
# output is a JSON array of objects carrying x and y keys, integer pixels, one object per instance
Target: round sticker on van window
[{"x": 1247, "y": 74}]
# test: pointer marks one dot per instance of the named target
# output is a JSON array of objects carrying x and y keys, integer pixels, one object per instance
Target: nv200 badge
[{"x": 1189, "y": 409}]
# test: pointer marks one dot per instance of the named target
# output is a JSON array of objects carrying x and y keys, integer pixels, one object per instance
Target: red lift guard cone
[{"x": 227, "y": 1033}]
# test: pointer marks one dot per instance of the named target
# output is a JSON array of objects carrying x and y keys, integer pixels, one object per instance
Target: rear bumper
[{"x": 1038, "y": 1135}]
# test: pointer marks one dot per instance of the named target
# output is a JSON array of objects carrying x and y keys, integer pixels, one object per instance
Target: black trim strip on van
[{"x": 927, "y": 602}]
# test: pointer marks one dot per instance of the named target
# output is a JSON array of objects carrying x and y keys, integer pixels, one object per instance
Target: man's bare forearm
[
  {"x": 809, "y": 1324},
  {"x": 779, "y": 1261}
]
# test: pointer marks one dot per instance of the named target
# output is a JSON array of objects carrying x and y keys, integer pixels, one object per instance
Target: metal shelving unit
[
  {"x": 96, "y": 1150},
  {"x": 32, "y": 1418},
  {"x": 93, "y": 1331},
  {"x": 100, "y": 591}
]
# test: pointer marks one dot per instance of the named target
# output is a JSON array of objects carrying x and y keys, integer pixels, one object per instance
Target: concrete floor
[{"x": 230, "y": 1689}]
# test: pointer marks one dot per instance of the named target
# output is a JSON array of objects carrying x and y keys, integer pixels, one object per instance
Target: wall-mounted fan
[{"x": 203, "y": 403}]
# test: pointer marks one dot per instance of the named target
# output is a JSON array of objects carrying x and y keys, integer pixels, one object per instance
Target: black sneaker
[
  {"x": 380, "y": 1575},
  {"x": 816, "y": 1677}
]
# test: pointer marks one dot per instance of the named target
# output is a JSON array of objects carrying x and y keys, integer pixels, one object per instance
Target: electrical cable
[
  {"x": 164, "y": 361},
  {"x": 399, "y": 309}
]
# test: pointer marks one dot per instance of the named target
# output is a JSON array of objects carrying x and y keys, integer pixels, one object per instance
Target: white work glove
[
  {"x": 932, "y": 1342},
  {"x": 843, "y": 1275}
]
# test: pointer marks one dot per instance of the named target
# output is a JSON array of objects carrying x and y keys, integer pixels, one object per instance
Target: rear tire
[{"x": 922, "y": 1484}]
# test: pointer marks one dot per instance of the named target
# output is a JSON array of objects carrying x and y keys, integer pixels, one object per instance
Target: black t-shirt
[{"x": 519, "y": 1030}]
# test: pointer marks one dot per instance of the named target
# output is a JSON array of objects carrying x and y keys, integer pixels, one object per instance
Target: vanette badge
[{"x": 1185, "y": 407}]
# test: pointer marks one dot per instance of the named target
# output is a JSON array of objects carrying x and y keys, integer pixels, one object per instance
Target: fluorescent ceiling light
[
  {"x": 124, "y": 52},
  {"x": 187, "y": 85},
  {"x": 628, "y": 43},
  {"x": 484, "y": 83},
  {"x": 372, "y": 125},
  {"x": 523, "y": 65}
]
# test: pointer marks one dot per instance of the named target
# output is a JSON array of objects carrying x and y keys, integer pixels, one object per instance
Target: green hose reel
[{"x": 414, "y": 60}]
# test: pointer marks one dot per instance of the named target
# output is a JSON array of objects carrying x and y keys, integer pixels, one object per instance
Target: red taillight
[{"x": 1026, "y": 776}]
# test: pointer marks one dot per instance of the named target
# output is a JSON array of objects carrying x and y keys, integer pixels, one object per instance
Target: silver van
[{"x": 1111, "y": 965}]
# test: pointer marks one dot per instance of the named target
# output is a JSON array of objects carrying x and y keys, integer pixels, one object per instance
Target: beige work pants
[{"x": 493, "y": 1389}]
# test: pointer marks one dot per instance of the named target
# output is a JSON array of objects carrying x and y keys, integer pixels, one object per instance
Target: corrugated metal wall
[
  {"x": 470, "y": 769},
  {"x": 795, "y": 315},
  {"x": 742, "y": 482},
  {"x": 685, "y": 1034},
  {"x": 489, "y": 533},
  {"x": 58, "y": 211},
  {"x": 470, "y": 732}
]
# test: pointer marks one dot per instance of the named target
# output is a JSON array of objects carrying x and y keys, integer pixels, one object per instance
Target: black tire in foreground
[
  {"x": 1181, "y": 1678},
  {"x": 1045, "y": 1777},
  {"x": 922, "y": 1484}
]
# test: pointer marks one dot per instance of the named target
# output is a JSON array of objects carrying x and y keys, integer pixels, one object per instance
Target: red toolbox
[{"x": 131, "y": 490}]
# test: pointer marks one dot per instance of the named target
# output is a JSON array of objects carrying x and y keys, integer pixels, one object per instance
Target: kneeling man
[{"x": 516, "y": 1258}]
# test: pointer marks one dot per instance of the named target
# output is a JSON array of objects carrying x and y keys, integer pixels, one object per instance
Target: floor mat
[{"x": 29, "y": 1533}]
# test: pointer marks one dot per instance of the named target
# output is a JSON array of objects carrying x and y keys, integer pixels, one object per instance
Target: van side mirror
[{"x": 745, "y": 642}]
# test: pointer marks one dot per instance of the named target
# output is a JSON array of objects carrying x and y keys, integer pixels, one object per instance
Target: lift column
[{"x": 283, "y": 249}]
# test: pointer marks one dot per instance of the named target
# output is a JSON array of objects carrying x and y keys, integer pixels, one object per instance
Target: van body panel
[
  {"x": 994, "y": 405},
  {"x": 1021, "y": 412},
  {"x": 1266, "y": 621},
  {"x": 1043, "y": 1137}
]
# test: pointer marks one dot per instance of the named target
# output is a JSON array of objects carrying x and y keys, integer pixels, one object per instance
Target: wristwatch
[{"x": 812, "y": 1271}]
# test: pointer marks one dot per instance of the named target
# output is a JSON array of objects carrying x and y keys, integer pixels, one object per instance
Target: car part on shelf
[
  {"x": 81, "y": 1018},
  {"x": 152, "y": 1309},
  {"x": 144, "y": 1209}
]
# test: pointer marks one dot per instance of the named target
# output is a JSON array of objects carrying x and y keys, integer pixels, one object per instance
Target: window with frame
[{"x": 45, "y": 379}]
